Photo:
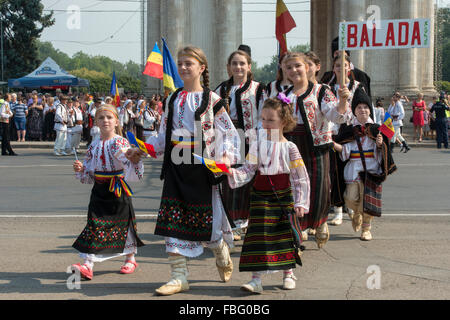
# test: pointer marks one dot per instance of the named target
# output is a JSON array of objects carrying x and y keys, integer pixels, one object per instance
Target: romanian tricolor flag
[
  {"x": 115, "y": 91},
  {"x": 212, "y": 165},
  {"x": 154, "y": 65},
  {"x": 172, "y": 80},
  {"x": 387, "y": 128},
  {"x": 283, "y": 24},
  {"x": 145, "y": 147}
]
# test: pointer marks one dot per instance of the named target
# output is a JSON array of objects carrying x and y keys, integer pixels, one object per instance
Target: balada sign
[{"x": 385, "y": 34}]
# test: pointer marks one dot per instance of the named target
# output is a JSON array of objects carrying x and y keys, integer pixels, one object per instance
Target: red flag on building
[{"x": 283, "y": 24}]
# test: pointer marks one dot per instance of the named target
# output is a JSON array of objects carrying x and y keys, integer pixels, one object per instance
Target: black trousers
[
  {"x": 6, "y": 146},
  {"x": 441, "y": 132}
]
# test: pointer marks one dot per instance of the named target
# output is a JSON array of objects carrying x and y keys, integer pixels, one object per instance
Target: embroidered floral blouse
[
  {"x": 272, "y": 158},
  {"x": 185, "y": 106},
  {"x": 109, "y": 156}
]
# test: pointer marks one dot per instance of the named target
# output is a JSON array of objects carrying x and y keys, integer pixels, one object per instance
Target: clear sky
[{"x": 113, "y": 27}]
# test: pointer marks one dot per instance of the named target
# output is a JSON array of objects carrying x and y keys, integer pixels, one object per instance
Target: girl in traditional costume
[
  {"x": 191, "y": 213},
  {"x": 363, "y": 148},
  {"x": 280, "y": 186},
  {"x": 282, "y": 83},
  {"x": 243, "y": 97},
  {"x": 316, "y": 109},
  {"x": 111, "y": 225}
]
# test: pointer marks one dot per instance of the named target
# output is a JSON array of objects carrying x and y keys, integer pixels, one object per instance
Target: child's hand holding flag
[
  {"x": 144, "y": 147},
  {"x": 387, "y": 128},
  {"x": 215, "y": 167}
]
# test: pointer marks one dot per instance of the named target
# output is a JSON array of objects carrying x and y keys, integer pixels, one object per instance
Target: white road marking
[{"x": 155, "y": 215}]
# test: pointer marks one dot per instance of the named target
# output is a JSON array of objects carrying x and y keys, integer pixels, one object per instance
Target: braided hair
[
  {"x": 200, "y": 56},
  {"x": 229, "y": 83}
]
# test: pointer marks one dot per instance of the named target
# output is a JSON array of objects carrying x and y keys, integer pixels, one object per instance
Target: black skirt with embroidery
[
  {"x": 109, "y": 219},
  {"x": 186, "y": 204}
]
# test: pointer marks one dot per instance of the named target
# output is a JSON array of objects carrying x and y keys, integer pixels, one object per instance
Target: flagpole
[{"x": 342, "y": 66}]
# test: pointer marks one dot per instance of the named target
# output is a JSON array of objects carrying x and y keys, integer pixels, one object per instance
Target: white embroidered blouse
[
  {"x": 272, "y": 158},
  {"x": 184, "y": 125},
  {"x": 109, "y": 156}
]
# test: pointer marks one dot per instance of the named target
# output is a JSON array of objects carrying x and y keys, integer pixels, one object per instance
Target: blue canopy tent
[{"x": 48, "y": 74}]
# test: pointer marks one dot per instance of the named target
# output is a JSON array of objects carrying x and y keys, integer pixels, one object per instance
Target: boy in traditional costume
[{"x": 368, "y": 159}]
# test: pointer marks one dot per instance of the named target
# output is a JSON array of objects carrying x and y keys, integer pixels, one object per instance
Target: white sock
[
  {"x": 89, "y": 263},
  {"x": 256, "y": 276}
]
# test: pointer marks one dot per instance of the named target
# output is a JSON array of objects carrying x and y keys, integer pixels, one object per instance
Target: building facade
[
  {"x": 213, "y": 25},
  {"x": 216, "y": 27},
  {"x": 406, "y": 70}
]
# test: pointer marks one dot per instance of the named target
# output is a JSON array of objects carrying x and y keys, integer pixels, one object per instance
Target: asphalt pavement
[{"x": 43, "y": 209}]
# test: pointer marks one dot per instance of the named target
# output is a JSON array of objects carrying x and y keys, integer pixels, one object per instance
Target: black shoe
[
  {"x": 404, "y": 147},
  {"x": 13, "y": 154}
]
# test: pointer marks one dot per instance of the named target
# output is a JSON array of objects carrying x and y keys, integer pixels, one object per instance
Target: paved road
[{"x": 43, "y": 209}]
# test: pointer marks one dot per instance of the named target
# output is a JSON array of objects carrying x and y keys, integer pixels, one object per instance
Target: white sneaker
[
  {"x": 57, "y": 153},
  {"x": 304, "y": 235},
  {"x": 254, "y": 286},
  {"x": 63, "y": 153},
  {"x": 289, "y": 282}
]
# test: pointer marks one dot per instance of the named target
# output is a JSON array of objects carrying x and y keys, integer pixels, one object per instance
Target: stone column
[
  {"x": 228, "y": 32},
  {"x": 153, "y": 85},
  {"x": 382, "y": 65},
  {"x": 408, "y": 58},
  {"x": 321, "y": 35},
  {"x": 428, "y": 53},
  {"x": 174, "y": 24}
]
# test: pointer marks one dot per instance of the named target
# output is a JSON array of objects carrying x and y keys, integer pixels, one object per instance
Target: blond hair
[{"x": 200, "y": 56}]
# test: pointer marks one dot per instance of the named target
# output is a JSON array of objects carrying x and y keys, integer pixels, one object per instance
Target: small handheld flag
[
  {"x": 115, "y": 90},
  {"x": 212, "y": 165},
  {"x": 145, "y": 147},
  {"x": 154, "y": 65},
  {"x": 171, "y": 77},
  {"x": 387, "y": 128},
  {"x": 75, "y": 153}
]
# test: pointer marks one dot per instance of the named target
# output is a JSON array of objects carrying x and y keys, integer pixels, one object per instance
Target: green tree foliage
[
  {"x": 443, "y": 27},
  {"x": 101, "y": 83},
  {"x": 268, "y": 72},
  {"x": 97, "y": 69},
  {"x": 23, "y": 22}
]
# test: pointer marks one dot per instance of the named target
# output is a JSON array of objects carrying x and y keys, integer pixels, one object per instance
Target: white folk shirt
[
  {"x": 61, "y": 117},
  {"x": 5, "y": 112},
  {"x": 113, "y": 151},
  {"x": 397, "y": 110},
  {"x": 272, "y": 158},
  {"x": 354, "y": 166}
]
